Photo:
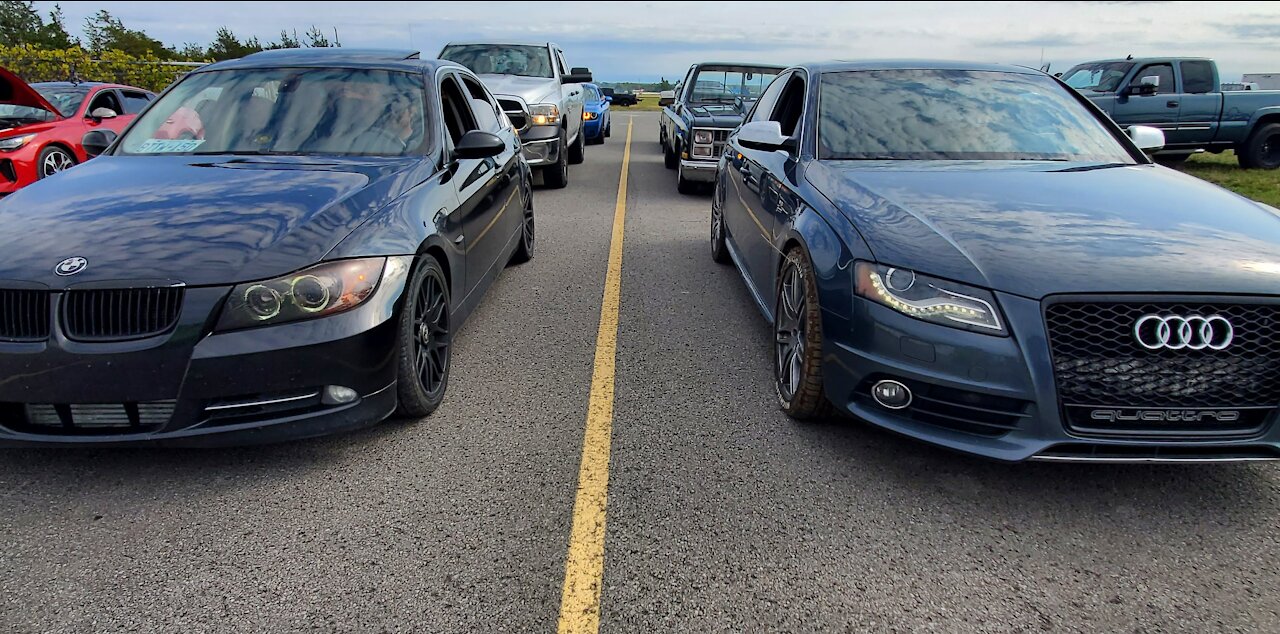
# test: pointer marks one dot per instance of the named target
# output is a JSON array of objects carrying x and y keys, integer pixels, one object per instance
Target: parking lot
[{"x": 723, "y": 514}]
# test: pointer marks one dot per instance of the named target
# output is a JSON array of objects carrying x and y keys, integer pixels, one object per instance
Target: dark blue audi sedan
[
  {"x": 976, "y": 257},
  {"x": 280, "y": 246}
]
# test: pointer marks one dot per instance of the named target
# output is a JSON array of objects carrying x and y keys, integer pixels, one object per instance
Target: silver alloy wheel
[
  {"x": 789, "y": 329},
  {"x": 717, "y": 224},
  {"x": 56, "y": 161}
]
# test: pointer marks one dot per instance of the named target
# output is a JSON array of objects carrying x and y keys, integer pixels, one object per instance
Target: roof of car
[
  {"x": 391, "y": 59},
  {"x": 1147, "y": 58},
  {"x": 743, "y": 64},
  {"x": 69, "y": 84},
  {"x": 499, "y": 43},
  {"x": 836, "y": 66}
]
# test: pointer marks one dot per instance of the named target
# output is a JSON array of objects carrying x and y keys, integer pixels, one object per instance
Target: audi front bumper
[
  {"x": 191, "y": 387},
  {"x": 997, "y": 397}
]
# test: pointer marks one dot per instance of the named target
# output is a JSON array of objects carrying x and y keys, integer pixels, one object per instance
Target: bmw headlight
[
  {"x": 319, "y": 291},
  {"x": 545, "y": 114},
  {"x": 15, "y": 142},
  {"x": 928, "y": 298}
]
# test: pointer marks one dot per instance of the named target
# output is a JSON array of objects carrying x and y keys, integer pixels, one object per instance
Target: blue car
[
  {"x": 977, "y": 257},
  {"x": 295, "y": 264},
  {"x": 595, "y": 114}
]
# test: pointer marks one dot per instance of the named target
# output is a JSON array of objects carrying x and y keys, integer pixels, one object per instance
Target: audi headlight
[
  {"x": 545, "y": 114},
  {"x": 321, "y": 290},
  {"x": 928, "y": 298},
  {"x": 702, "y": 136},
  {"x": 15, "y": 142}
]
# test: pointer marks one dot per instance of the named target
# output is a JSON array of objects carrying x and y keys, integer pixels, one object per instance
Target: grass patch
[
  {"x": 648, "y": 104},
  {"x": 1222, "y": 169}
]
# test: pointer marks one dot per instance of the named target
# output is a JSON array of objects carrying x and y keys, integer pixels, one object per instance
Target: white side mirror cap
[{"x": 1147, "y": 138}]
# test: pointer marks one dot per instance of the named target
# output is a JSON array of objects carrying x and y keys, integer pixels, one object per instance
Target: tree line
[{"x": 22, "y": 24}]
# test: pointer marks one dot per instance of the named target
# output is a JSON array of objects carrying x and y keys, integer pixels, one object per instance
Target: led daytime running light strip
[{"x": 940, "y": 307}]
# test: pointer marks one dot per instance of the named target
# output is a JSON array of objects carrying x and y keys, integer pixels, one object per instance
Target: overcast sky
[{"x": 646, "y": 40}]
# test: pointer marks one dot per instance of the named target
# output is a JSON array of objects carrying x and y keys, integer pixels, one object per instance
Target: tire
[
  {"x": 1262, "y": 150},
  {"x": 524, "y": 252},
  {"x": 52, "y": 160},
  {"x": 719, "y": 248},
  {"x": 797, "y": 348},
  {"x": 578, "y": 151},
  {"x": 684, "y": 185},
  {"x": 425, "y": 341},
  {"x": 557, "y": 176},
  {"x": 669, "y": 158},
  {"x": 608, "y": 129}
]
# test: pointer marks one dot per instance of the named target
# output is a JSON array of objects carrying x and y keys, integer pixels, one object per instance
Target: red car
[{"x": 41, "y": 124}]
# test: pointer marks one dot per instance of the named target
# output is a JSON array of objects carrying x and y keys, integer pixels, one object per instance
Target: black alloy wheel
[
  {"x": 797, "y": 357},
  {"x": 719, "y": 249},
  {"x": 524, "y": 252},
  {"x": 425, "y": 341}
]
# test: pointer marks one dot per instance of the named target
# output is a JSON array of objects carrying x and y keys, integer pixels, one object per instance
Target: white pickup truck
[{"x": 541, "y": 95}]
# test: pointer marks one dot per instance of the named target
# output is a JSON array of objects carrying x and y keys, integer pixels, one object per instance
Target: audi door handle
[{"x": 1172, "y": 104}]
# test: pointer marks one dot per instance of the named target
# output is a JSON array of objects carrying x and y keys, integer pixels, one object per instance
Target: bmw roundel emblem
[{"x": 71, "y": 266}]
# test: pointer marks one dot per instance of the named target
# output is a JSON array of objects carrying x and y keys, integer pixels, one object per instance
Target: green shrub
[{"x": 35, "y": 64}]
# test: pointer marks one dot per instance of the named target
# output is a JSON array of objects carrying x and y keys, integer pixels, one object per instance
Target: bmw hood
[
  {"x": 1036, "y": 230},
  {"x": 531, "y": 89},
  {"x": 196, "y": 220}
]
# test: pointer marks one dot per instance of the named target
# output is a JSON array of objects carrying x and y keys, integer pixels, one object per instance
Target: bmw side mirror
[
  {"x": 1147, "y": 138},
  {"x": 97, "y": 142},
  {"x": 99, "y": 114},
  {"x": 577, "y": 75},
  {"x": 478, "y": 144},
  {"x": 764, "y": 135}
]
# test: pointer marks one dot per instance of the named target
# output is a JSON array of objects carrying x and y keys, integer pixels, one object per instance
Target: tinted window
[
  {"x": 1197, "y": 76},
  {"x": 1097, "y": 76},
  {"x": 1163, "y": 71},
  {"x": 458, "y": 117},
  {"x": 764, "y": 107},
  {"x": 790, "y": 105},
  {"x": 134, "y": 102},
  {"x": 957, "y": 115},
  {"x": 493, "y": 59},
  {"x": 327, "y": 111}
]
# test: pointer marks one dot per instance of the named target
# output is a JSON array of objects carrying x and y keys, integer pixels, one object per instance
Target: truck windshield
[
  {"x": 722, "y": 84},
  {"x": 501, "y": 59},
  {"x": 957, "y": 115},
  {"x": 326, "y": 111},
  {"x": 1097, "y": 76}
]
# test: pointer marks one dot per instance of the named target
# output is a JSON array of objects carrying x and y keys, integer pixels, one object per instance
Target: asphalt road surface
[{"x": 723, "y": 515}]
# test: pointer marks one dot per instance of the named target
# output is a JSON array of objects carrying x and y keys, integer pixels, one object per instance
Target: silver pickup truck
[{"x": 541, "y": 95}]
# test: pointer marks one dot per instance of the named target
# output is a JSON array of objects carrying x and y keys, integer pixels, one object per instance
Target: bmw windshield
[
  {"x": 296, "y": 111},
  {"x": 958, "y": 115}
]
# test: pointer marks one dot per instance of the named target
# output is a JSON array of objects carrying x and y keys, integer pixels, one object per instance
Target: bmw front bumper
[
  {"x": 192, "y": 387},
  {"x": 996, "y": 397}
]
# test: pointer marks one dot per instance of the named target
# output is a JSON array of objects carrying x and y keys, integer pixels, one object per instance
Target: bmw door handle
[{"x": 1172, "y": 103}]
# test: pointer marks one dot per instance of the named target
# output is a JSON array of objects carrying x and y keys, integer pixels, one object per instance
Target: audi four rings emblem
[{"x": 1171, "y": 332}]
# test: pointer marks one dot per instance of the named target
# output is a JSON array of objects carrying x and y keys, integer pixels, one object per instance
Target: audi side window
[
  {"x": 764, "y": 106},
  {"x": 790, "y": 105}
]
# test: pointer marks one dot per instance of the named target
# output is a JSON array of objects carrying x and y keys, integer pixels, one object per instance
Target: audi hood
[
  {"x": 1036, "y": 229},
  {"x": 200, "y": 221},
  {"x": 531, "y": 89}
]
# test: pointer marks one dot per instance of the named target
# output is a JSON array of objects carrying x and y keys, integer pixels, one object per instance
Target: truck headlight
[
  {"x": 545, "y": 114},
  {"x": 15, "y": 142},
  {"x": 322, "y": 290},
  {"x": 929, "y": 298},
  {"x": 702, "y": 136}
]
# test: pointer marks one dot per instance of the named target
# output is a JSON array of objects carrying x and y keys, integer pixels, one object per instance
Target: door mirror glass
[
  {"x": 103, "y": 113},
  {"x": 1147, "y": 138},
  {"x": 97, "y": 141},
  {"x": 763, "y": 135},
  {"x": 478, "y": 144},
  {"x": 1148, "y": 85}
]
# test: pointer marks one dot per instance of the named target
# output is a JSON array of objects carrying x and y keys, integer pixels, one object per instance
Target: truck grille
[
  {"x": 76, "y": 418},
  {"x": 1101, "y": 369},
  {"x": 516, "y": 112},
  {"x": 24, "y": 315},
  {"x": 112, "y": 315}
]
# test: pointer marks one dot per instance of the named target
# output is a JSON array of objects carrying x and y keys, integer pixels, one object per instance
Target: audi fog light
[
  {"x": 929, "y": 298},
  {"x": 702, "y": 136},
  {"x": 337, "y": 395},
  {"x": 891, "y": 394}
]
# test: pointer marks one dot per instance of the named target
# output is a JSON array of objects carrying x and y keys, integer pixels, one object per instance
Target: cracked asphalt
[{"x": 723, "y": 515}]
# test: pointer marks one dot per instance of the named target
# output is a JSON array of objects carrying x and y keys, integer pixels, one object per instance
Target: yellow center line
[{"x": 584, "y": 567}]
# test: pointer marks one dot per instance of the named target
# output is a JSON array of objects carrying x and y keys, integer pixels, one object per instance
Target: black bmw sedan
[
  {"x": 975, "y": 256},
  {"x": 280, "y": 246}
]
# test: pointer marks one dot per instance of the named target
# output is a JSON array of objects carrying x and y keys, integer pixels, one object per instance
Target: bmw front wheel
[{"x": 425, "y": 341}]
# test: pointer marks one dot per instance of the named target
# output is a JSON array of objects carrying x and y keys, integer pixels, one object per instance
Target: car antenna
[{"x": 74, "y": 77}]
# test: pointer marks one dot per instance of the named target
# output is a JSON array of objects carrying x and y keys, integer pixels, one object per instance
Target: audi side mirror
[
  {"x": 478, "y": 144},
  {"x": 1147, "y": 138},
  {"x": 97, "y": 141},
  {"x": 764, "y": 135}
]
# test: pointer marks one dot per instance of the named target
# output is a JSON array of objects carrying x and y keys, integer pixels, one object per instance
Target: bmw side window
[
  {"x": 486, "y": 113},
  {"x": 1163, "y": 71},
  {"x": 457, "y": 113}
]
